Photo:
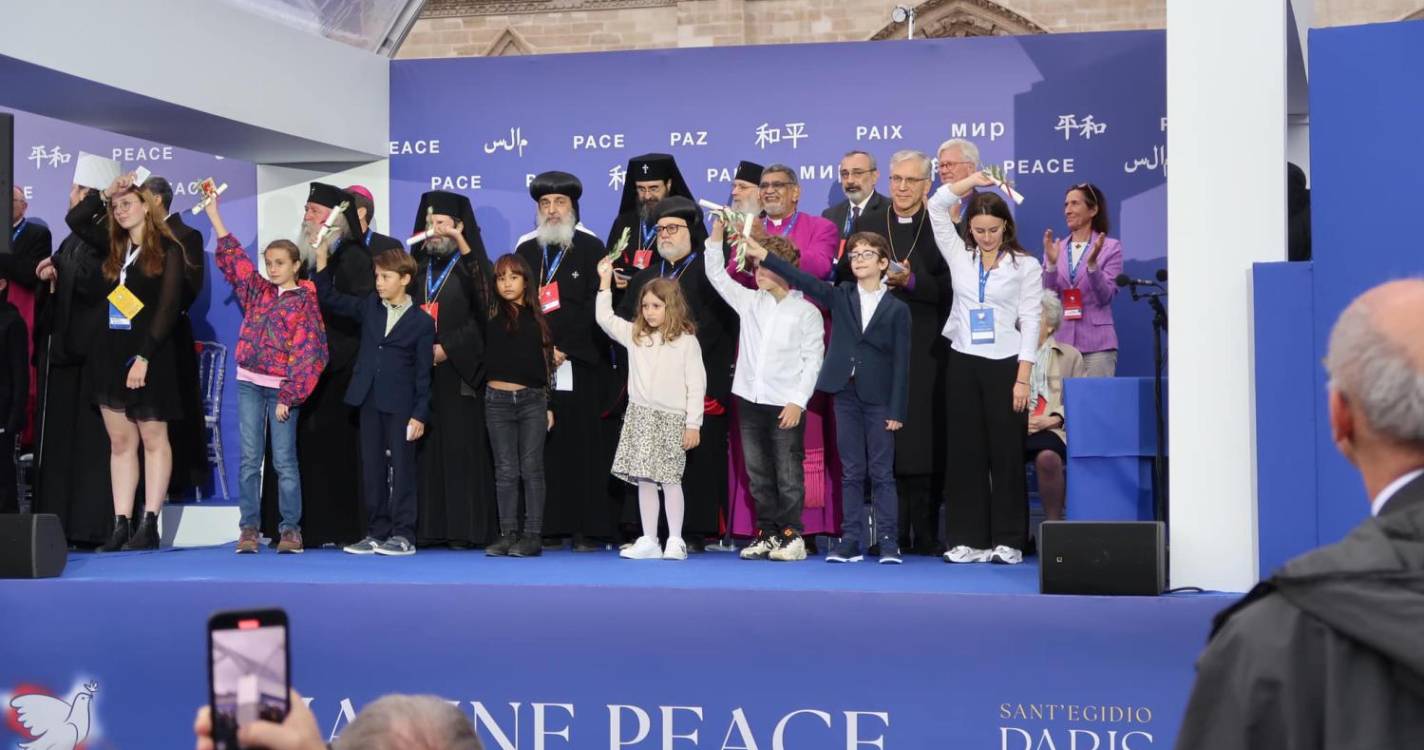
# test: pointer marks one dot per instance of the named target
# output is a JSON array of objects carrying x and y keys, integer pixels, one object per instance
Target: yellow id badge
[{"x": 125, "y": 302}]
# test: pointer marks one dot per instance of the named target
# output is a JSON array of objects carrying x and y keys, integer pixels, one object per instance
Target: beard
[
  {"x": 749, "y": 205},
  {"x": 645, "y": 211},
  {"x": 672, "y": 251},
  {"x": 555, "y": 232},
  {"x": 854, "y": 193},
  {"x": 441, "y": 247}
]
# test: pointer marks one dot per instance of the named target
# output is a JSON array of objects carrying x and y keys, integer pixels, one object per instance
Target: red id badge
[
  {"x": 1072, "y": 304},
  {"x": 433, "y": 310},
  {"x": 840, "y": 250},
  {"x": 642, "y": 258},
  {"x": 549, "y": 297}
]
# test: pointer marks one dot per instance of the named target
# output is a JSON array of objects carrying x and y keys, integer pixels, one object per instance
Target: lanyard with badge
[
  {"x": 1073, "y": 297},
  {"x": 123, "y": 304},
  {"x": 549, "y": 290},
  {"x": 678, "y": 269},
  {"x": 432, "y": 289},
  {"x": 643, "y": 256},
  {"x": 15, "y": 235},
  {"x": 981, "y": 318}
]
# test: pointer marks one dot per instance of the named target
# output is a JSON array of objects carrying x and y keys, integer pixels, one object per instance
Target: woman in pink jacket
[{"x": 1082, "y": 269}]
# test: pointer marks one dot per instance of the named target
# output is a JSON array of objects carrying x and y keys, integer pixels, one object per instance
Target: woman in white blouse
[{"x": 993, "y": 337}]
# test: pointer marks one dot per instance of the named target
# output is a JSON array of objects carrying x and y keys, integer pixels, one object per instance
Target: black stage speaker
[
  {"x": 1102, "y": 558},
  {"x": 31, "y": 545},
  {"x": 7, "y": 178}
]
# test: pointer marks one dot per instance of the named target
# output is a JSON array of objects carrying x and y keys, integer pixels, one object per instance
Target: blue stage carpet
[{"x": 711, "y": 570}]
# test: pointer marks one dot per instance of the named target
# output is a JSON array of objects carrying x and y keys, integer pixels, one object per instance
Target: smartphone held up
[{"x": 249, "y": 671}]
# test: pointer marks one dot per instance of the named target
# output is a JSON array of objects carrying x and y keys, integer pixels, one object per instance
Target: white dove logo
[{"x": 54, "y": 724}]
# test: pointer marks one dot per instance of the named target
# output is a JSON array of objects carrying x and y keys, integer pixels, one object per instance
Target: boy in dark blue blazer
[
  {"x": 391, "y": 386},
  {"x": 867, "y": 369}
]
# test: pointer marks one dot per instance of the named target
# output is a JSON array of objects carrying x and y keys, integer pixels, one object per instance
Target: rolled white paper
[
  {"x": 95, "y": 171},
  {"x": 202, "y": 204},
  {"x": 417, "y": 238},
  {"x": 709, "y": 205}
]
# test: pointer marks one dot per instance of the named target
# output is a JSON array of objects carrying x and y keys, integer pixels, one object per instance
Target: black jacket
[
  {"x": 14, "y": 372},
  {"x": 394, "y": 368},
  {"x": 1328, "y": 653},
  {"x": 838, "y": 213}
]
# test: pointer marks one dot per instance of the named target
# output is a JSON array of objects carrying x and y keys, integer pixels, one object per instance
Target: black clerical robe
[
  {"x": 378, "y": 243},
  {"x": 188, "y": 436},
  {"x": 642, "y": 236},
  {"x": 704, "y": 480},
  {"x": 456, "y": 491},
  {"x": 577, "y": 457}
]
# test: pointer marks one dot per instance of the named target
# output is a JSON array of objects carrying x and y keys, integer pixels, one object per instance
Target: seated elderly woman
[{"x": 1046, "y": 445}]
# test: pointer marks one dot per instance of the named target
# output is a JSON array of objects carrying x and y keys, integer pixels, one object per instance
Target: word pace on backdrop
[
  {"x": 1051, "y": 111},
  {"x": 46, "y": 151}
]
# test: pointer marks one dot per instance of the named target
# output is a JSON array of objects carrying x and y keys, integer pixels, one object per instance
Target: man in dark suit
[
  {"x": 365, "y": 212},
  {"x": 1327, "y": 652},
  {"x": 188, "y": 435},
  {"x": 391, "y": 386},
  {"x": 859, "y": 174},
  {"x": 867, "y": 370}
]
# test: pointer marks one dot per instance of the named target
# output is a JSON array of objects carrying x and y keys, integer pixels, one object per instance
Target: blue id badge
[
  {"x": 117, "y": 320},
  {"x": 981, "y": 325}
]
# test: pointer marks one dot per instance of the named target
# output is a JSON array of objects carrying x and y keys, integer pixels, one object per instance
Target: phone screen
[{"x": 248, "y": 669}]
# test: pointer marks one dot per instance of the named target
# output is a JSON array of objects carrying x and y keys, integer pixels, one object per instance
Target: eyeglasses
[
  {"x": 857, "y": 173},
  {"x": 775, "y": 185},
  {"x": 901, "y": 180},
  {"x": 669, "y": 230},
  {"x": 864, "y": 255}
]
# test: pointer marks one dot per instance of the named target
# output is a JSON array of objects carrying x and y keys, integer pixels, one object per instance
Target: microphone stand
[{"x": 1159, "y": 459}]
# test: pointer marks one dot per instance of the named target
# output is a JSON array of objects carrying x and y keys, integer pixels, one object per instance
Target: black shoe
[
  {"x": 118, "y": 538},
  {"x": 873, "y": 550},
  {"x": 587, "y": 544},
  {"x": 502, "y": 545},
  {"x": 553, "y": 542},
  {"x": 146, "y": 535},
  {"x": 810, "y": 545},
  {"x": 527, "y": 546},
  {"x": 696, "y": 544}
]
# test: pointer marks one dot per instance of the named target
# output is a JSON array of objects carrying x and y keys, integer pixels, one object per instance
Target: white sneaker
[
  {"x": 646, "y": 548},
  {"x": 676, "y": 549},
  {"x": 760, "y": 548},
  {"x": 966, "y": 554},
  {"x": 1006, "y": 555},
  {"x": 790, "y": 551}
]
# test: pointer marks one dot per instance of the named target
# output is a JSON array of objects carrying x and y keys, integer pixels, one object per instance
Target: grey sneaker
[
  {"x": 890, "y": 553},
  {"x": 366, "y": 546},
  {"x": 396, "y": 546},
  {"x": 845, "y": 552}
]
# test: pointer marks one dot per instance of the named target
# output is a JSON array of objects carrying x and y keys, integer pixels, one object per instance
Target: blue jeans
[
  {"x": 256, "y": 411},
  {"x": 867, "y": 450},
  {"x": 518, "y": 423}
]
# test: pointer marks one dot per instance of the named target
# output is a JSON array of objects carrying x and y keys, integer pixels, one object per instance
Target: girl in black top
[
  {"x": 518, "y": 359},
  {"x": 132, "y": 366}
]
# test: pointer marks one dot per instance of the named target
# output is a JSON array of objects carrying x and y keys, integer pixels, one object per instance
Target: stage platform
[{"x": 592, "y": 651}]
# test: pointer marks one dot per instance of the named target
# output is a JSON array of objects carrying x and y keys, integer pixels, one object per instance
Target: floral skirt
[{"x": 650, "y": 446}]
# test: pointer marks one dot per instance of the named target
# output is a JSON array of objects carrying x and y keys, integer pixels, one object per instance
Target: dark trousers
[
  {"x": 774, "y": 460},
  {"x": 920, "y": 497},
  {"x": 390, "y": 509},
  {"x": 985, "y": 504},
  {"x": 867, "y": 450},
  {"x": 9, "y": 475},
  {"x": 518, "y": 423}
]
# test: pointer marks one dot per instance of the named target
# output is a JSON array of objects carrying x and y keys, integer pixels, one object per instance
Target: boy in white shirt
[{"x": 778, "y": 359}]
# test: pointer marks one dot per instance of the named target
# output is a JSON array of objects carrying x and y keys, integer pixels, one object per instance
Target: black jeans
[
  {"x": 518, "y": 423},
  {"x": 774, "y": 460}
]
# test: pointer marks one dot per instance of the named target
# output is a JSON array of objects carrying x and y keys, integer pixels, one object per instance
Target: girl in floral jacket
[{"x": 281, "y": 351}]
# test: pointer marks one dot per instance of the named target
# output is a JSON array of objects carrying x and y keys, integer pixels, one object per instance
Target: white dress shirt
[
  {"x": 781, "y": 344},
  {"x": 1014, "y": 291},
  {"x": 868, "y": 302},
  {"x": 1393, "y": 489}
]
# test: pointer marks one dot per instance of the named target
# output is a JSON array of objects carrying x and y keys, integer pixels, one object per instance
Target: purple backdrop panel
[{"x": 1054, "y": 110}]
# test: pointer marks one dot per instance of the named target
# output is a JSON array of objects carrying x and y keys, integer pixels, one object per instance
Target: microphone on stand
[
  {"x": 1125, "y": 280},
  {"x": 1162, "y": 275}
]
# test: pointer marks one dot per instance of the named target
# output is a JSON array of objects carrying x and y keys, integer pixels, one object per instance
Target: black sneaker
[
  {"x": 696, "y": 544},
  {"x": 588, "y": 544},
  {"x": 553, "y": 542},
  {"x": 146, "y": 535},
  {"x": 501, "y": 546},
  {"x": 118, "y": 538},
  {"x": 527, "y": 546},
  {"x": 845, "y": 552}
]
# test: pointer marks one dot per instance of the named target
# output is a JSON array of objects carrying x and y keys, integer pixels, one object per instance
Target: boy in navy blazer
[
  {"x": 867, "y": 369},
  {"x": 391, "y": 386}
]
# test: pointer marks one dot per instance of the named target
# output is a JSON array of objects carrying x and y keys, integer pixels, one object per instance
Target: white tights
[{"x": 648, "y": 507}]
